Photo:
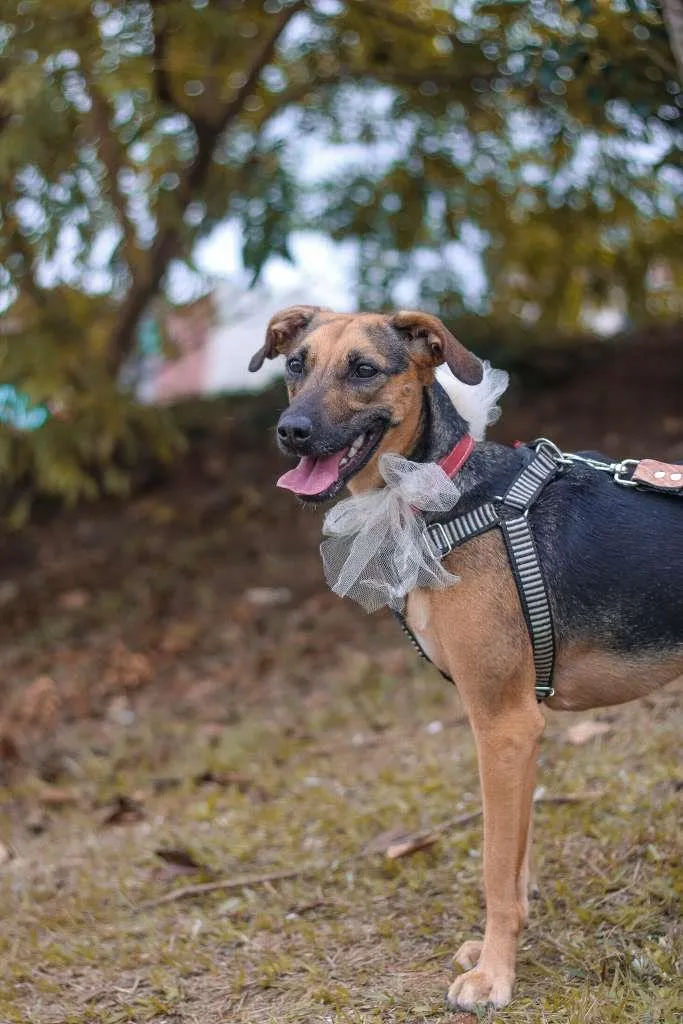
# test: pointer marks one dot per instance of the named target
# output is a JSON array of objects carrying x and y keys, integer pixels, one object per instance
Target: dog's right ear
[
  {"x": 282, "y": 332},
  {"x": 437, "y": 345}
]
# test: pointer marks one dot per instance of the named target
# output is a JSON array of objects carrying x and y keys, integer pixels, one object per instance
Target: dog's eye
[
  {"x": 295, "y": 365},
  {"x": 365, "y": 370}
]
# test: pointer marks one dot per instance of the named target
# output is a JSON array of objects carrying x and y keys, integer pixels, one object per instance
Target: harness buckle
[
  {"x": 621, "y": 469},
  {"x": 544, "y": 691},
  {"x": 545, "y": 445},
  {"x": 438, "y": 540}
]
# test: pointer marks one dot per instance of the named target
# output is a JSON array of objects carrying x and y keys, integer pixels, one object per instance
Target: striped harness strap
[{"x": 510, "y": 515}]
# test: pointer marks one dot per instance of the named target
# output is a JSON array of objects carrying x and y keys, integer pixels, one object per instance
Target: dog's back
[{"x": 613, "y": 559}]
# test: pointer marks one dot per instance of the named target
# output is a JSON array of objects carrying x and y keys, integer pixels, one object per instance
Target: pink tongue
[{"x": 312, "y": 476}]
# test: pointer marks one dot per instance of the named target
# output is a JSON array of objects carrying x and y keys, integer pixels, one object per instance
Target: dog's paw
[
  {"x": 479, "y": 987},
  {"x": 468, "y": 954}
]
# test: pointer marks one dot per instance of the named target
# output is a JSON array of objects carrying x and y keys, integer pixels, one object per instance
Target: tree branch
[
  {"x": 162, "y": 81},
  {"x": 673, "y": 19},
  {"x": 393, "y": 76},
  {"x": 212, "y": 133},
  {"x": 18, "y": 244},
  {"x": 110, "y": 152},
  {"x": 402, "y": 21},
  {"x": 146, "y": 284}
]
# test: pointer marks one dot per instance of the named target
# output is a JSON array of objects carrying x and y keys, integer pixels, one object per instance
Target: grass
[{"x": 311, "y": 780}]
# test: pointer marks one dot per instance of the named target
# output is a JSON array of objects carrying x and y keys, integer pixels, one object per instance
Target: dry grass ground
[{"x": 306, "y": 785}]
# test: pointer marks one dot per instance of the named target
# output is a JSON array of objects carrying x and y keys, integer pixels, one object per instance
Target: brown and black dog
[{"x": 364, "y": 384}]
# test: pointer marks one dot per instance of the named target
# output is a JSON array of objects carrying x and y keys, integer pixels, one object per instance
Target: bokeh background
[{"x": 172, "y": 172}]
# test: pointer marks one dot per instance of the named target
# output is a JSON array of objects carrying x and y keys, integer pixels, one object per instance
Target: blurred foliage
[{"x": 541, "y": 138}]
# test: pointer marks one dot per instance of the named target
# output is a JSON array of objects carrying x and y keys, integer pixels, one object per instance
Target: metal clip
[
  {"x": 545, "y": 444},
  {"x": 439, "y": 540},
  {"x": 621, "y": 469},
  {"x": 544, "y": 691}
]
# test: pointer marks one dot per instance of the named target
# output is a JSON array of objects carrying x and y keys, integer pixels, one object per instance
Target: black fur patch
[
  {"x": 613, "y": 558},
  {"x": 390, "y": 345}
]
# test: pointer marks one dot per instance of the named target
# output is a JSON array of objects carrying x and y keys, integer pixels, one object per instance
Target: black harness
[{"x": 510, "y": 514}]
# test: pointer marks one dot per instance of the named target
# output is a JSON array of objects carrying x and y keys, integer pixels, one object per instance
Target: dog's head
[{"x": 355, "y": 384}]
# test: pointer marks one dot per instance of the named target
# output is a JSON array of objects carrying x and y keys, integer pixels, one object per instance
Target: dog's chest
[{"x": 417, "y": 619}]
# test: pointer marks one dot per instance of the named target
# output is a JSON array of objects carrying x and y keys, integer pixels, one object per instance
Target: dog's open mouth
[{"x": 321, "y": 478}]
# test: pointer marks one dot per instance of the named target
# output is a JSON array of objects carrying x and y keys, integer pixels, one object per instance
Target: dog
[{"x": 364, "y": 385}]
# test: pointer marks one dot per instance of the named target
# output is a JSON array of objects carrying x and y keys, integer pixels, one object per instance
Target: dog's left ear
[
  {"x": 282, "y": 332},
  {"x": 438, "y": 344}
]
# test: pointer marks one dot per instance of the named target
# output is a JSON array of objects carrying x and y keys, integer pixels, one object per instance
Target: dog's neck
[
  {"x": 442, "y": 426},
  {"x": 489, "y": 468}
]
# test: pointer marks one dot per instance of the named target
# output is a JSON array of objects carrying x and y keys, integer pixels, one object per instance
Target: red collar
[{"x": 458, "y": 456}]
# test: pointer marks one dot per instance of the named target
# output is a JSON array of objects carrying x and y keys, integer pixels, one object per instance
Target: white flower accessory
[
  {"x": 376, "y": 550},
  {"x": 476, "y": 403}
]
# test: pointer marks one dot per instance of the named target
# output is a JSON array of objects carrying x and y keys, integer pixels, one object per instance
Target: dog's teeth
[
  {"x": 342, "y": 462},
  {"x": 356, "y": 446}
]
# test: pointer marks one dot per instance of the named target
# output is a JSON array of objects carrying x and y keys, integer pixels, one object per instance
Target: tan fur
[
  {"x": 594, "y": 679},
  {"x": 476, "y": 632}
]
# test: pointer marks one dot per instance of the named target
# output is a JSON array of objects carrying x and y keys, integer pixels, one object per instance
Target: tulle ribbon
[{"x": 375, "y": 551}]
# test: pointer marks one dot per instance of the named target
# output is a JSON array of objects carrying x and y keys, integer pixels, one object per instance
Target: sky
[
  {"x": 319, "y": 264},
  {"x": 324, "y": 268}
]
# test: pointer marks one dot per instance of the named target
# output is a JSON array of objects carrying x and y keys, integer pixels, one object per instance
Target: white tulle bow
[{"x": 376, "y": 551}]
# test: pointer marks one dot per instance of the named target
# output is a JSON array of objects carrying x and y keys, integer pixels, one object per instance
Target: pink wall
[{"x": 188, "y": 331}]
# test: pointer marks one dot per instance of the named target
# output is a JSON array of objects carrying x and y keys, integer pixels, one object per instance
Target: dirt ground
[{"x": 184, "y": 704}]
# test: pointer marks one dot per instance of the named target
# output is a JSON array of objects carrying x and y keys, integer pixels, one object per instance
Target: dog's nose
[{"x": 294, "y": 430}]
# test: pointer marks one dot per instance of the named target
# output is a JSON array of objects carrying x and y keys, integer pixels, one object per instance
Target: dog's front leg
[{"x": 507, "y": 745}]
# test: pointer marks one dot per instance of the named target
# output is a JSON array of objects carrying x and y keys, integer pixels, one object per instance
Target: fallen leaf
[
  {"x": 181, "y": 861},
  {"x": 73, "y": 600},
  {"x": 56, "y": 796},
  {"x": 242, "y": 783},
  {"x": 265, "y": 597},
  {"x": 127, "y": 669},
  {"x": 411, "y": 845},
  {"x": 382, "y": 842},
  {"x": 124, "y": 810},
  {"x": 306, "y": 908},
  {"x": 584, "y": 732},
  {"x": 399, "y": 842}
]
